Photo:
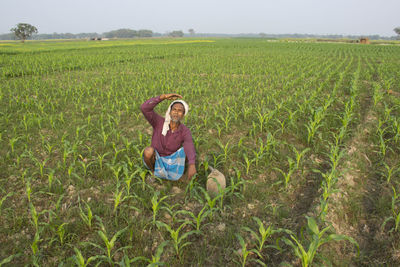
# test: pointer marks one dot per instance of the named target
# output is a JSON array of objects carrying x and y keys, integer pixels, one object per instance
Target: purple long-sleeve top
[{"x": 172, "y": 141}]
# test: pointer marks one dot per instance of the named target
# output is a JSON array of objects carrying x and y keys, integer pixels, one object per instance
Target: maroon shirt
[{"x": 172, "y": 141}]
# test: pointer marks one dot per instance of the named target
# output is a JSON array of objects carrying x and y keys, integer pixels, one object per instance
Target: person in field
[{"x": 171, "y": 143}]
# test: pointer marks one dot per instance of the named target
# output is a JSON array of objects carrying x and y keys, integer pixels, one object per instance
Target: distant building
[{"x": 364, "y": 40}]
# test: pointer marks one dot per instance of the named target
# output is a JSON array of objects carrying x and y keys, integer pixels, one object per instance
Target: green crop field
[{"x": 307, "y": 135}]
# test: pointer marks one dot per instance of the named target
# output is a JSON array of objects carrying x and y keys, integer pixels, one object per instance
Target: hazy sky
[{"x": 359, "y": 17}]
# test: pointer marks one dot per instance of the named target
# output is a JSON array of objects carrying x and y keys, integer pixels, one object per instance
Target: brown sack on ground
[{"x": 213, "y": 178}]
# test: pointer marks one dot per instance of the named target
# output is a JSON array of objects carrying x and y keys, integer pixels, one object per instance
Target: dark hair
[{"x": 184, "y": 111}]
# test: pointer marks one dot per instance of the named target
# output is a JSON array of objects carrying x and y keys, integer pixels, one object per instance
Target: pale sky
[{"x": 347, "y": 17}]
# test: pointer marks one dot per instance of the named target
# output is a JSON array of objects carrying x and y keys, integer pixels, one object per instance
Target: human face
[{"x": 177, "y": 112}]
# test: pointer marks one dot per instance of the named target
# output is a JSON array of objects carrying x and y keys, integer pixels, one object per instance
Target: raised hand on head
[{"x": 170, "y": 96}]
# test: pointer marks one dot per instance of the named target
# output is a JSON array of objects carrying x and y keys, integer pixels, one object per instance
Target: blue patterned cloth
[{"x": 170, "y": 167}]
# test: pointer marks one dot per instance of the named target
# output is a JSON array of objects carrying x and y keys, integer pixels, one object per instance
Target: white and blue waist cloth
[{"x": 170, "y": 167}]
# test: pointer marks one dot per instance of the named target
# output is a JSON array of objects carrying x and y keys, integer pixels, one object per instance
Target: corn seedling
[
  {"x": 306, "y": 252},
  {"x": 50, "y": 178},
  {"x": 192, "y": 185},
  {"x": 248, "y": 163},
  {"x": 142, "y": 175},
  {"x": 197, "y": 219},
  {"x": 3, "y": 199},
  {"x": 383, "y": 143},
  {"x": 396, "y": 129},
  {"x": 28, "y": 190},
  {"x": 226, "y": 120},
  {"x": 41, "y": 165},
  {"x": 287, "y": 175},
  {"x": 84, "y": 165},
  {"x": 378, "y": 94},
  {"x": 80, "y": 261},
  {"x": 100, "y": 159},
  {"x": 314, "y": 123},
  {"x": 210, "y": 201},
  {"x": 156, "y": 204},
  {"x": 116, "y": 170},
  {"x": 178, "y": 240},
  {"x": 335, "y": 155},
  {"x": 154, "y": 261},
  {"x": 237, "y": 185},
  {"x": 34, "y": 216},
  {"x": 262, "y": 235},
  {"x": 299, "y": 155},
  {"x": 61, "y": 233},
  {"x": 86, "y": 218},
  {"x": 243, "y": 253},
  {"x": 395, "y": 214},
  {"x": 109, "y": 245},
  {"x": 9, "y": 259},
  {"x": 128, "y": 179},
  {"x": 390, "y": 172},
  {"x": 118, "y": 199},
  {"x": 226, "y": 150},
  {"x": 35, "y": 247},
  {"x": 12, "y": 142}
]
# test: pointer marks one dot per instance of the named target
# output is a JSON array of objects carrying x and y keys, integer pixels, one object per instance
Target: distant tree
[
  {"x": 397, "y": 30},
  {"x": 24, "y": 31},
  {"x": 176, "y": 34},
  {"x": 191, "y": 31},
  {"x": 262, "y": 35},
  {"x": 121, "y": 33},
  {"x": 145, "y": 33}
]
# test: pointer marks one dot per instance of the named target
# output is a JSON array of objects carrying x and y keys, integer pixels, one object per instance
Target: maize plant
[
  {"x": 306, "y": 252},
  {"x": 178, "y": 240},
  {"x": 395, "y": 213},
  {"x": 243, "y": 253}
]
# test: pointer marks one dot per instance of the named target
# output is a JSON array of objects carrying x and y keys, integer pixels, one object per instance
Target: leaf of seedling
[
  {"x": 197, "y": 219},
  {"x": 307, "y": 254},
  {"x": 177, "y": 239},
  {"x": 244, "y": 253},
  {"x": 155, "y": 259},
  {"x": 299, "y": 155},
  {"x": 312, "y": 225},
  {"x": 34, "y": 216},
  {"x": 86, "y": 218},
  {"x": 211, "y": 202},
  {"x": 80, "y": 260},
  {"x": 156, "y": 204},
  {"x": 110, "y": 243},
  {"x": 35, "y": 243},
  {"x": 9, "y": 259},
  {"x": 61, "y": 232},
  {"x": 4, "y": 198}
]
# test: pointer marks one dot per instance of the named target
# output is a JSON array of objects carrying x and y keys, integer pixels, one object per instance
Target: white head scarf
[{"x": 168, "y": 116}]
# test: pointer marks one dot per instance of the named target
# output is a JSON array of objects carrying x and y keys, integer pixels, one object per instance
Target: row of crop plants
[{"x": 384, "y": 155}]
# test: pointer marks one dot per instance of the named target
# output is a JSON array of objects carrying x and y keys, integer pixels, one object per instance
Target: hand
[
  {"x": 191, "y": 171},
  {"x": 170, "y": 96}
]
